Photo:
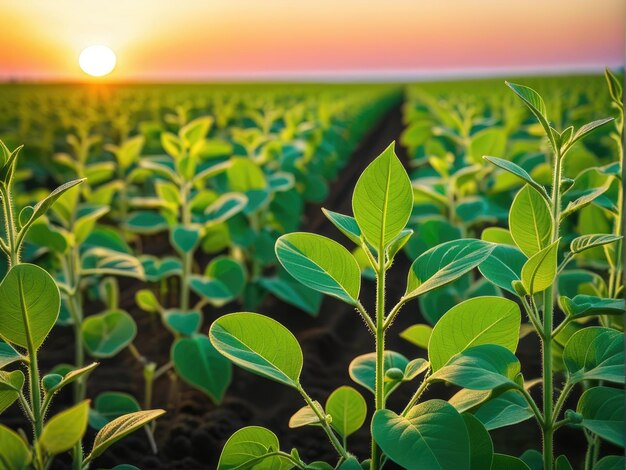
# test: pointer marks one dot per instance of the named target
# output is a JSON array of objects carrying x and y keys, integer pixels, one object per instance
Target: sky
[{"x": 196, "y": 40}]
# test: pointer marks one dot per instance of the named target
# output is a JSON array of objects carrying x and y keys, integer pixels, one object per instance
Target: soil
[{"x": 192, "y": 433}]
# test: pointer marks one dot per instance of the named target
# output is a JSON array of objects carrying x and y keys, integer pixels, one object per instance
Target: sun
[{"x": 97, "y": 61}]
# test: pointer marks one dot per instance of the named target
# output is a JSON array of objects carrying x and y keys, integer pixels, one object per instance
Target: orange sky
[{"x": 203, "y": 39}]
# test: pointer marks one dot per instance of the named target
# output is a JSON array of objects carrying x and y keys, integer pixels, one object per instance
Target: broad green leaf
[
  {"x": 603, "y": 413},
  {"x": 383, "y": 199},
  {"x": 346, "y": 225},
  {"x": 185, "y": 239},
  {"x": 181, "y": 322},
  {"x": 109, "y": 406},
  {"x": 519, "y": 172},
  {"x": 29, "y": 305},
  {"x": 586, "y": 242},
  {"x": 252, "y": 447},
  {"x": 147, "y": 301},
  {"x": 489, "y": 141},
  {"x": 157, "y": 269},
  {"x": 416, "y": 441},
  {"x": 419, "y": 335},
  {"x": 146, "y": 222},
  {"x": 321, "y": 264},
  {"x": 224, "y": 207},
  {"x": 474, "y": 322},
  {"x": 223, "y": 280},
  {"x": 445, "y": 263},
  {"x": 503, "y": 267},
  {"x": 481, "y": 446},
  {"x": 120, "y": 428},
  {"x": 483, "y": 367},
  {"x": 539, "y": 272},
  {"x": 348, "y": 409},
  {"x": 466, "y": 399},
  {"x": 106, "y": 334},
  {"x": 199, "y": 364},
  {"x": 561, "y": 463},
  {"x": 11, "y": 384},
  {"x": 507, "y": 462},
  {"x": 14, "y": 451},
  {"x": 294, "y": 293},
  {"x": 533, "y": 458},
  {"x": 582, "y": 306},
  {"x": 595, "y": 353},
  {"x": 8, "y": 355},
  {"x": 530, "y": 221},
  {"x": 362, "y": 369},
  {"x": 244, "y": 175},
  {"x": 103, "y": 261},
  {"x": 504, "y": 409},
  {"x": 195, "y": 131},
  {"x": 260, "y": 345},
  {"x": 65, "y": 429},
  {"x": 611, "y": 462},
  {"x": 589, "y": 127}
]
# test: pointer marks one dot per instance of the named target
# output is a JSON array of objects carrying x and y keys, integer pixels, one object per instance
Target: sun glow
[{"x": 97, "y": 61}]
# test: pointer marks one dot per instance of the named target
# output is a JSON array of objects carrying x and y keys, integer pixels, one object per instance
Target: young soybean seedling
[
  {"x": 592, "y": 356},
  {"x": 29, "y": 307},
  {"x": 479, "y": 356}
]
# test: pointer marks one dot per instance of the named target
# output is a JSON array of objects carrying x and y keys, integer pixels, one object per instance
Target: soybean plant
[
  {"x": 30, "y": 302},
  {"x": 472, "y": 346},
  {"x": 528, "y": 264}
]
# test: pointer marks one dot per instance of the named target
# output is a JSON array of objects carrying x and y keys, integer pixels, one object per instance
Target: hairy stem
[{"x": 380, "y": 350}]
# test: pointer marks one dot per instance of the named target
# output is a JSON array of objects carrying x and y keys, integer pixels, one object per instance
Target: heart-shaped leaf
[
  {"x": 106, "y": 334},
  {"x": 183, "y": 323},
  {"x": 185, "y": 239},
  {"x": 201, "y": 366}
]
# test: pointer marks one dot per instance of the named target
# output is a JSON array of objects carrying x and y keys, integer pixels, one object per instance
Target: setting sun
[{"x": 97, "y": 61}]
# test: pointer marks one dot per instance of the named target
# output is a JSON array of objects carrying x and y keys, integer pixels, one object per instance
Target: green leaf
[
  {"x": 260, "y": 345},
  {"x": 106, "y": 334},
  {"x": 195, "y": 131},
  {"x": 146, "y": 222},
  {"x": 603, "y": 413},
  {"x": 562, "y": 463},
  {"x": 508, "y": 462},
  {"x": 474, "y": 322},
  {"x": 29, "y": 305},
  {"x": 306, "y": 416},
  {"x": 497, "y": 235},
  {"x": 419, "y": 335},
  {"x": 582, "y": 306},
  {"x": 348, "y": 409},
  {"x": 586, "y": 242},
  {"x": 294, "y": 293},
  {"x": 146, "y": 300},
  {"x": 252, "y": 447},
  {"x": 184, "y": 323},
  {"x": 8, "y": 355},
  {"x": 11, "y": 384},
  {"x": 615, "y": 86},
  {"x": 362, "y": 370},
  {"x": 65, "y": 429},
  {"x": 589, "y": 127},
  {"x": 14, "y": 451},
  {"x": 109, "y": 406},
  {"x": 199, "y": 364},
  {"x": 120, "y": 428},
  {"x": 519, "y": 172},
  {"x": 595, "y": 353},
  {"x": 185, "y": 239},
  {"x": 224, "y": 207},
  {"x": 346, "y": 225},
  {"x": 383, "y": 199},
  {"x": 489, "y": 141},
  {"x": 44, "y": 205},
  {"x": 445, "y": 263},
  {"x": 481, "y": 446},
  {"x": 416, "y": 441},
  {"x": 611, "y": 462},
  {"x": 483, "y": 367},
  {"x": 321, "y": 264},
  {"x": 535, "y": 103},
  {"x": 71, "y": 376},
  {"x": 244, "y": 175},
  {"x": 503, "y": 267},
  {"x": 397, "y": 243},
  {"x": 539, "y": 272},
  {"x": 530, "y": 221},
  {"x": 505, "y": 409},
  {"x": 224, "y": 279}
]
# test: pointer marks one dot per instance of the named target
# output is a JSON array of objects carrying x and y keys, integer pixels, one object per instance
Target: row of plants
[
  {"x": 532, "y": 283},
  {"x": 187, "y": 204}
]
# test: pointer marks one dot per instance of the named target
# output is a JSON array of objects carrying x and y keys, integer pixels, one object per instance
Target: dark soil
[{"x": 193, "y": 432}]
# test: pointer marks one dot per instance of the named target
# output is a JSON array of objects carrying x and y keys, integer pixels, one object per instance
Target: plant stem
[
  {"x": 188, "y": 256},
  {"x": 9, "y": 220},
  {"x": 380, "y": 350},
  {"x": 325, "y": 426},
  {"x": 416, "y": 396}
]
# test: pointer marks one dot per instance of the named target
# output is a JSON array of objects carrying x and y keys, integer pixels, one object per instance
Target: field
[{"x": 473, "y": 269}]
